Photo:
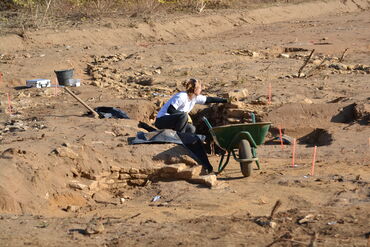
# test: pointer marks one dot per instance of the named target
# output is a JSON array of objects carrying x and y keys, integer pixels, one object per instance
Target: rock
[
  {"x": 237, "y": 94},
  {"x": 316, "y": 62},
  {"x": 273, "y": 224},
  {"x": 77, "y": 185},
  {"x": 147, "y": 171},
  {"x": 189, "y": 173},
  {"x": 115, "y": 168},
  {"x": 158, "y": 70},
  {"x": 307, "y": 101},
  {"x": 110, "y": 181},
  {"x": 121, "y": 184},
  {"x": 362, "y": 112},
  {"x": 114, "y": 175},
  {"x": 124, "y": 170},
  {"x": 72, "y": 208},
  {"x": 338, "y": 66},
  {"x": 66, "y": 152},
  {"x": 90, "y": 175},
  {"x": 142, "y": 80},
  {"x": 175, "y": 168},
  {"x": 94, "y": 185},
  {"x": 245, "y": 52},
  {"x": 134, "y": 171},
  {"x": 350, "y": 67},
  {"x": 209, "y": 180},
  {"x": 124, "y": 176},
  {"x": 94, "y": 227},
  {"x": 235, "y": 104},
  {"x": 137, "y": 182},
  {"x": 231, "y": 120},
  {"x": 139, "y": 176},
  {"x": 105, "y": 173},
  {"x": 306, "y": 219},
  {"x": 75, "y": 172},
  {"x": 363, "y": 68},
  {"x": 284, "y": 55}
]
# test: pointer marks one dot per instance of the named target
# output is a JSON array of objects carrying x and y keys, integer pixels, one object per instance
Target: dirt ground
[{"x": 67, "y": 179}]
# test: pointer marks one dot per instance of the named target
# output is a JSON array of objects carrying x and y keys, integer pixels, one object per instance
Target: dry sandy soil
[{"x": 67, "y": 179}]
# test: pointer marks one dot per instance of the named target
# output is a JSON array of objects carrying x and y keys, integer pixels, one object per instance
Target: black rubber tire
[{"x": 245, "y": 152}]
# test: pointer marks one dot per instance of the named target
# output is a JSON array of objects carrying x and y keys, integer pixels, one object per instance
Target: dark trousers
[{"x": 177, "y": 122}]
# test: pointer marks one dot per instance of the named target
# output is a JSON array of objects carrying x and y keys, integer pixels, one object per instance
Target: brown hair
[{"x": 190, "y": 85}]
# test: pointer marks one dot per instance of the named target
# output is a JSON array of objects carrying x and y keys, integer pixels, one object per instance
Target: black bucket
[{"x": 64, "y": 75}]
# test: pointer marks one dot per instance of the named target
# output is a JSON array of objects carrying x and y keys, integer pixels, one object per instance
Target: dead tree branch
[{"x": 305, "y": 63}]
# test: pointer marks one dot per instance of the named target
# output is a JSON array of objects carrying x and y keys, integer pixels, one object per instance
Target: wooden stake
[
  {"x": 281, "y": 138},
  {"x": 269, "y": 93},
  {"x": 56, "y": 87},
  {"x": 342, "y": 57},
  {"x": 313, "y": 161},
  {"x": 10, "y": 108},
  {"x": 305, "y": 63},
  {"x": 293, "y": 152}
]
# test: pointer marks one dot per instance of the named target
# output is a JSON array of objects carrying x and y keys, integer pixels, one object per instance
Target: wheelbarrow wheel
[{"x": 245, "y": 152}]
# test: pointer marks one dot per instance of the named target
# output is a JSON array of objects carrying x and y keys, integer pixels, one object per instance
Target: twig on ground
[
  {"x": 305, "y": 63},
  {"x": 285, "y": 237},
  {"x": 343, "y": 54},
  {"x": 134, "y": 216},
  {"x": 313, "y": 240},
  {"x": 280, "y": 239},
  {"x": 310, "y": 73},
  {"x": 275, "y": 208},
  {"x": 266, "y": 68}
]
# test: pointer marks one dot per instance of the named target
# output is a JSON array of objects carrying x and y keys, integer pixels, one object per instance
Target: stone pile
[
  {"x": 120, "y": 178},
  {"x": 327, "y": 62},
  {"x": 108, "y": 72}
]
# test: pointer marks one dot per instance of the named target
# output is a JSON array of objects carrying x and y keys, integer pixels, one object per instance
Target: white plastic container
[
  {"x": 73, "y": 82},
  {"x": 38, "y": 83}
]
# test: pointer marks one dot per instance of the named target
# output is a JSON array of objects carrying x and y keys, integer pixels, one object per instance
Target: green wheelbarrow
[{"x": 242, "y": 137}]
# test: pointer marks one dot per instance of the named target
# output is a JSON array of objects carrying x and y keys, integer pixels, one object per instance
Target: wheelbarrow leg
[
  {"x": 221, "y": 166},
  {"x": 254, "y": 153}
]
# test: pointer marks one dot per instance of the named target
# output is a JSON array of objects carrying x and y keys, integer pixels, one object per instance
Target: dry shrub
[
  {"x": 37, "y": 13},
  {"x": 144, "y": 7}
]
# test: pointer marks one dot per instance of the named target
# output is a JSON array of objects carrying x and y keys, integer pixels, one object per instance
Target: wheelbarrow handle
[
  {"x": 205, "y": 120},
  {"x": 253, "y": 117}
]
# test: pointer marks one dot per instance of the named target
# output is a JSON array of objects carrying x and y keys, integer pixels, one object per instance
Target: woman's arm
[
  {"x": 172, "y": 110},
  {"x": 210, "y": 100}
]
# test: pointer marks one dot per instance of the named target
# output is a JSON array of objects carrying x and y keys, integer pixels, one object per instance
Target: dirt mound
[
  {"x": 7, "y": 203},
  {"x": 318, "y": 137}
]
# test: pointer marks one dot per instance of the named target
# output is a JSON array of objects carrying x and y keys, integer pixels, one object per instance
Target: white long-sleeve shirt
[{"x": 181, "y": 102}]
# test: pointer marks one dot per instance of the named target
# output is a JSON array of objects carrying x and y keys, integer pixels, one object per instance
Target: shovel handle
[{"x": 96, "y": 115}]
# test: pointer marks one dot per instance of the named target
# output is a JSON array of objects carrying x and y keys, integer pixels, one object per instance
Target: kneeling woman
[{"x": 174, "y": 114}]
